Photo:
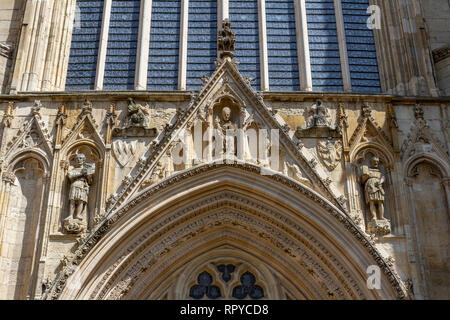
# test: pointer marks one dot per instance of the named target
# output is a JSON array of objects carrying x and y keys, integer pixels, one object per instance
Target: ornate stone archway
[{"x": 296, "y": 243}]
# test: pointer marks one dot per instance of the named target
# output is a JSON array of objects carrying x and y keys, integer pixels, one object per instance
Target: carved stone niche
[
  {"x": 375, "y": 190},
  {"x": 136, "y": 122},
  {"x": 80, "y": 189},
  {"x": 318, "y": 123}
]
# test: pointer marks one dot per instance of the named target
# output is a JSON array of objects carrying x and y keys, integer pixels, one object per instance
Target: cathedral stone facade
[{"x": 195, "y": 149}]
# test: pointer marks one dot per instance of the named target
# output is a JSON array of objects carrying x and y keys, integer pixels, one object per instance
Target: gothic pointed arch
[
  {"x": 426, "y": 172},
  {"x": 286, "y": 226},
  {"x": 24, "y": 191}
]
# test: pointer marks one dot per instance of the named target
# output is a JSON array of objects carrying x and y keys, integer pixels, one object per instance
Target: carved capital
[
  {"x": 441, "y": 54},
  {"x": 64, "y": 164},
  {"x": 9, "y": 177},
  {"x": 445, "y": 182},
  {"x": 379, "y": 227}
]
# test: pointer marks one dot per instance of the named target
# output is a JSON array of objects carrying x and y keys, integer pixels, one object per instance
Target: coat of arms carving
[
  {"x": 124, "y": 151},
  {"x": 330, "y": 152}
]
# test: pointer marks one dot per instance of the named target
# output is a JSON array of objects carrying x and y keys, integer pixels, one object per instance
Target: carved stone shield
[
  {"x": 330, "y": 152},
  {"x": 124, "y": 151}
]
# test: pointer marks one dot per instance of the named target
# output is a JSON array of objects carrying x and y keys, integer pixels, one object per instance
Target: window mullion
[
  {"x": 182, "y": 66},
  {"x": 143, "y": 46},
  {"x": 304, "y": 60},
  {"x": 103, "y": 45},
  {"x": 263, "y": 55},
  {"x": 342, "y": 46}
]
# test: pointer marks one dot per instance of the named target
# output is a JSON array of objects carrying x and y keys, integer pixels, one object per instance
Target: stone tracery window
[
  {"x": 226, "y": 281},
  {"x": 170, "y": 45}
]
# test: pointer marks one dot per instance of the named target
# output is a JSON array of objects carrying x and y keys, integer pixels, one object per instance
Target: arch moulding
[{"x": 149, "y": 246}]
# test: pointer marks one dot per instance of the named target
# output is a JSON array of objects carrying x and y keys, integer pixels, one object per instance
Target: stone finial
[
  {"x": 226, "y": 40},
  {"x": 9, "y": 115},
  {"x": 87, "y": 108},
  {"x": 366, "y": 110},
  {"x": 36, "y": 109}
]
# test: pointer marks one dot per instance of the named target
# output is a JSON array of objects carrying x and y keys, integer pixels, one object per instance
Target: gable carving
[
  {"x": 421, "y": 141},
  {"x": 33, "y": 134},
  {"x": 85, "y": 129},
  {"x": 227, "y": 115}
]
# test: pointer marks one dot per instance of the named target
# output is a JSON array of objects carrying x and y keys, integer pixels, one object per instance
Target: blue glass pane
[
  {"x": 323, "y": 46},
  {"x": 122, "y": 45},
  {"x": 244, "y": 22},
  {"x": 84, "y": 47},
  {"x": 361, "y": 49},
  {"x": 202, "y": 41},
  {"x": 164, "y": 45},
  {"x": 282, "y": 45}
]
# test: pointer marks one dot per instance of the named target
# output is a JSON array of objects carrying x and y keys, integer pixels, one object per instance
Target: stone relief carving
[
  {"x": 330, "y": 152},
  {"x": 421, "y": 140},
  {"x": 373, "y": 179},
  {"x": 318, "y": 123},
  {"x": 80, "y": 177},
  {"x": 160, "y": 172},
  {"x": 293, "y": 171},
  {"x": 137, "y": 122},
  {"x": 317, "y": 116}
]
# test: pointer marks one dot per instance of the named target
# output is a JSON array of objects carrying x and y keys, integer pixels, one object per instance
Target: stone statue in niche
[
  {"x": 224, "y": 125},
  {"x": 373, "y": 180},
  {"x": 81, "y": 178},
  {"x": 226, "y": 40}
]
